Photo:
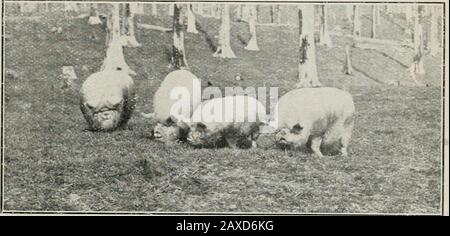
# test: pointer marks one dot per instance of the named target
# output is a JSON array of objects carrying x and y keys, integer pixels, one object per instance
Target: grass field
[{"x": 53, "y": 164}]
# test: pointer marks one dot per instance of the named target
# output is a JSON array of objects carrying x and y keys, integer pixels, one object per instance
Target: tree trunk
[
  {"x": 70, "y": 7},
  {"x": 389, "y": 9},
  {"x": 272, "y": 14},
  {"x": 408, "y": 9},
  {"x": 154, "y": 9},
  {"x": 307, "y": 69},
  {"x": 178, "y": 52},
  {"x": 434, "y": 32},
  {"x": 252, "y": 44},
  {"x": 137, "y": 8},
  {"x": 324, "y": 36},
  {"x": 245, "y": 13},
  {"x": 349, "y": 12},
  {"x": 374, "y": 22},
  {"x": 348, "y": 68},
  {"x": 418, "y": 42},
  {"x": 377, "y": 15},
  {"x": 93, "y": 15},
  {"x": 191, "y": 28},
  {"x": 32, "y": 7},
  {"x": 279, "y": 14},
  {"x": 128, "y": 38},
  {"x": 224, "y": 49},
  {"x": 238, "y": 12},
  {"x": 115, "y": 59},
  {"x": 171, "y": 9},
  {"x": 217, "y": 11},
  {"x": 200, "y": 9},
  {"x": 356, "y": 22}
]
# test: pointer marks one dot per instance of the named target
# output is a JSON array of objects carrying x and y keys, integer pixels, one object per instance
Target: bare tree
[
  {"x": 245, "y": 13},
  {"x": 377, "y": 14},
  {"x": 217, "y": 11},
  {"x": 46, "y": 7},
  {"x": 191, "y": 28},
  {"x": 93, "y": 15},
  {"x": 272, "y": 14},
  {"x": 238, "y": 12},
  {"x": 434, "y": 42},
  {"x": 252, "y": 43},
  {"x": 356, "y": 22},
  {"x": 25, "y": 7},
  {"x": 348, "y": 68},
  {"x": 349, "y": 12},
  {"x": 70, "y": 7},
  {"x": 224, "y": 49},
  {"x": 154, "y": 9},
  {"x": 389, "y": 9},
  {"x": 374, "y": 22},
  {"x": 171, "y": 6},
  {"x": 115, "y": 60},
  {"x": 93, "y": 20},
  {"x": 128, "y": 38},
  {"x": 279, "y": 14},
  {"x": 417, "y": 65},
  {"x": 307, "y": 68},
  {"x": 178, "y": 52},
  {"x": 137, "y": 8},
  {"x": 324, "y": 36},
  {"x": 408, "y": 10},
  {"x": 200, "y": 10}
]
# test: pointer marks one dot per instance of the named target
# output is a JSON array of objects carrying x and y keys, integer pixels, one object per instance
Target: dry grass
[{"x": 52, "y": 164}]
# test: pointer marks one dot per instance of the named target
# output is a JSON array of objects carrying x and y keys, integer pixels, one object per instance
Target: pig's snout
[
  {"x": 282, "y": 140},
  {"x": 280, "y": 137},
  {"x": 106, "y": 115},
  {"x": 157, "y": 135}
]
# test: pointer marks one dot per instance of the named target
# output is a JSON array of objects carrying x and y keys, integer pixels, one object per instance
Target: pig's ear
[
  {"x": 296, "y": 128},
  {"x": 200, "y": 126},
  {"x": 183, "y": 125},
  {"x": 171, "y": 120}
]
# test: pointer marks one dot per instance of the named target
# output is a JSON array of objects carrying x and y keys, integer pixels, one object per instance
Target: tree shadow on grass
[
  {"x": 205, "y": 35},
  {"x": 242, "y": 40}
]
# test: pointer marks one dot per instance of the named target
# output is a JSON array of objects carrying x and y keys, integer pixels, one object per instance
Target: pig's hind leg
[
  {"x": 316, "y": 142},
  {"x": 346, "y": 136}
]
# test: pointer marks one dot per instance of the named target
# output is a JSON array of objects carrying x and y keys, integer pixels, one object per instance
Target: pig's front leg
[
  {"x": 254, "y": 145},
  {"x": 252, "y": 138},
  {"x": 315, "y": 146},
  {"x": 232, "y": 142}
]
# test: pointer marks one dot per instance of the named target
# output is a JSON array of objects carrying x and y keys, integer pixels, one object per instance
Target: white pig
[
  {"x": 107, "y": 100},
  {"x": 233, "y": 121},
  {"x": 166, "y": 129},
  {"x": 316, "y": 115}
]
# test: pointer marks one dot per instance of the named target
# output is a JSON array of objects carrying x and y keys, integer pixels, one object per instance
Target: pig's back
[
  {"x": 230, "y": 107},
  {"x": 162, "y": 103},
  {"x": 310, "y": 104},
  {"x": 105, "y": 87}
]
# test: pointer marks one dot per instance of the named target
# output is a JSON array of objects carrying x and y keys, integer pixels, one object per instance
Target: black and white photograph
[{"x": 216, "y": 107}]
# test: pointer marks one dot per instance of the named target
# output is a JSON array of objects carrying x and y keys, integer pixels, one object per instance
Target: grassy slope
[{"x": 52, "y": 164}]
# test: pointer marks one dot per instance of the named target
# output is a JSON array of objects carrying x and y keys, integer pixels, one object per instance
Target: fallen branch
[
  {"x": 154, "y": 27},
  {"x": 412, "y": 73},
  {"x": 277, "y": 25},
  {"x": 380, "y": 41}
]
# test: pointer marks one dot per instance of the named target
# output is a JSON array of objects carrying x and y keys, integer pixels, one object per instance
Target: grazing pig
[
  {"x": 170, "y": 132},
  {"x": 233, "y": 121},
  {"x": 315, "y": 115},
  {"x": 107, "y": 100},
  {"x": 167, "y": 129}
]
